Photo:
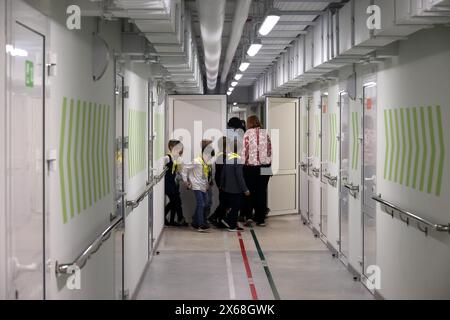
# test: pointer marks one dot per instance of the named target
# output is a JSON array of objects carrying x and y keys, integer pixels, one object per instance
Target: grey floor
[{"x": 193, "y": 266}]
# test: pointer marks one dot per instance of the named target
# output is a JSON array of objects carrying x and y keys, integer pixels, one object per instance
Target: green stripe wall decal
[
  {"x": 386, "y": 155},
  {"x": 69, "y": 160},
  {"x": 330, "y": 126},
  {"x": 353, "y": 140},
  {"x": 355, "y": 145},
  {"x": 335, "y": 125},
  {"x": 83, "y": 155},
  {"x": 415, "y": 148},
  {"x": 62, "y": 181},
  {"x": 332, "y": 137},
  {"x": 318, "y": 135},
  {"x": 305, "y": 135},
  {"x": 137, "y": 148},
  {"x": 76, "y": 156}
]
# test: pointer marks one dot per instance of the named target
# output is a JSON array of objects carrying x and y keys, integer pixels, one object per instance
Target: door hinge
[
  {"x": 126, "y": 92},
  {"x": 125, "y": 142},
  {"x": 124, "y": 295}
]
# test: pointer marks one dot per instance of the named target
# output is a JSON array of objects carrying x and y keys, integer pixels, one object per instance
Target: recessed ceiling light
[
  {"x": 268, "y": 24},
  {"x": 244, "y": 66}
]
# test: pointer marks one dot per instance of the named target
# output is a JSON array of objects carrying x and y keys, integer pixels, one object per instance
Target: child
[
  {"x": 198, "y": 177},
  {"x": 221, "y": 209},
  {"x": 233, "y": 184},
  {"x": 172, "y": 187}
]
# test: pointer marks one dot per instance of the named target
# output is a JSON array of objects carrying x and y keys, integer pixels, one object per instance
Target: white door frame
[{"x": 297, "y": 153}]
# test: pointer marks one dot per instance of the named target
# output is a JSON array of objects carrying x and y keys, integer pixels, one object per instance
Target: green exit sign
[{"x": 29, "y": 74}]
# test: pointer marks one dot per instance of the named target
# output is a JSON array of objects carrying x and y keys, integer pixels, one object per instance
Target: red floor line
[{"x": 247, "y": 267}]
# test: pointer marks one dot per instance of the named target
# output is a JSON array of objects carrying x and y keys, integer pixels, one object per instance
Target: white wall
[
  {"x": 3, "y": 155},
  {"x": 414, "y": 265}
]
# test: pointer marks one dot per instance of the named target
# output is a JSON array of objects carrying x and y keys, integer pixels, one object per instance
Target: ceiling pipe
[
  {"x": 212, "y": 17},
  {"x": 240, "y": 18}
]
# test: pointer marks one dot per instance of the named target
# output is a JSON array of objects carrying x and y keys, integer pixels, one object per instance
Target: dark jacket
[
  {"x": 220, "y": 161},
  {"x": 232, "y": 177},
  {"x": 171, "y": 185}
]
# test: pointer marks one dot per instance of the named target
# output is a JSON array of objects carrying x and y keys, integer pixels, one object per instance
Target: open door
[
  {"x": 282, "y": 123},
  {"x": 26, "y": 168}
]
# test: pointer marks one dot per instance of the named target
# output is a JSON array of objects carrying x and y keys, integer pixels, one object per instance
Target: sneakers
[
  {"x": 171, "y": 224},
  {"x": 225, "y": 223},
  {"x": 203, "y": 228},
  {"x": 261, "y": 224},
  {"x": 183, "y": 223},
  {"x": 235, "y": 229},
  {"x": 249, "y": 223}
]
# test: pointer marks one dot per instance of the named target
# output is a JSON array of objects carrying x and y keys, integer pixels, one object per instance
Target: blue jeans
[
  {"x": 208, "y": 204},
  {"x": 199, "y": 216}
]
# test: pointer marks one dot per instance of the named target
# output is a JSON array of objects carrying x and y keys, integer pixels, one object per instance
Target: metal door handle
[{"x": 353, "y": 190}]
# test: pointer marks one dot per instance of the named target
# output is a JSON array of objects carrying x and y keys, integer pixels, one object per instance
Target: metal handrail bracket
[
  {"x": 80, "y": 261},
  {"x": 316, "y": 172},
  {"x": 133, "y": 204},
  {"x": 422, "y": 223}
]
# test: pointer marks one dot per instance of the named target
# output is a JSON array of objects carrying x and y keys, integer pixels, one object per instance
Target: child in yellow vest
[{"x": 198, "y": 177}]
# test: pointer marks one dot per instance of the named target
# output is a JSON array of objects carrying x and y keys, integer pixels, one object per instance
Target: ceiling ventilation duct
[
  {"x": 240, "y": 17},
  {"x": 212, "y": 16}
]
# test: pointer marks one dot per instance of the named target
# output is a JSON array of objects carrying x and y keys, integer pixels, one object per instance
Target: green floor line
[{"x": 266, "y": 267}]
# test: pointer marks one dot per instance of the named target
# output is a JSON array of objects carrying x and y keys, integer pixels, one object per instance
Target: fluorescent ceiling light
[
  {"x": 268, "y": 24},
  {"x": 370, "y": 84},
  {"x": 254, "y": 49},
  {"x": 234, "y": 83},
  {"x": 238, "y": 76},
  {"x": 16, "y": 52},
  {"x": 244, "y": 66},
  {"x": 229, "y": 93},
  {"x": 230, "y": 89},
  {"x": 234, "y": 103}
]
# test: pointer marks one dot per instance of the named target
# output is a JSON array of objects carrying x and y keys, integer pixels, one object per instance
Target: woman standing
[{"x": 257, "y": 157}]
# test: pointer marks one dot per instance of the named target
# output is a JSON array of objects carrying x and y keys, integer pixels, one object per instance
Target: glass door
[
  {"x": 369, "y": 175},
  {"x": 344, "y": 196},
  {"x": 25, "y": 164}
]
